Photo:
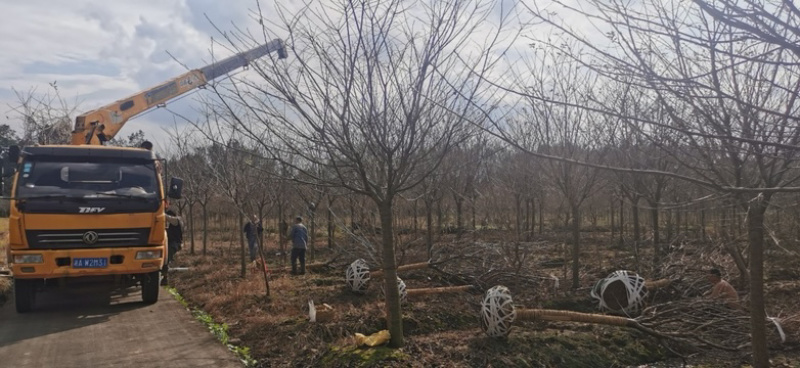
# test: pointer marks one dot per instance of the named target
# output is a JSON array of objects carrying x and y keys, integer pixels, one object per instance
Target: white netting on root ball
[
  {"x": 401, "y": 287},
  {"x": 357, "y": 276},
  {"x": 620, "y": 292},
  {"x": 497, "y": 312}
]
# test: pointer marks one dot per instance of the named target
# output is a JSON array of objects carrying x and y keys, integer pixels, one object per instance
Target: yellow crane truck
[{"x": 89, "y": 212}]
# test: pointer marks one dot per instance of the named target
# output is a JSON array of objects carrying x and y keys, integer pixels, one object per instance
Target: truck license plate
[{"x": 89, "y": 262}]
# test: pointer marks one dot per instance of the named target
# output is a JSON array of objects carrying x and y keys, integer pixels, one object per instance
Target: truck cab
[{"x": 86, "y": 213}]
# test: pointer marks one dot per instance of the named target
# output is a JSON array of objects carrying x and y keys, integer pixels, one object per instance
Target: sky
[{"x": 100, "y": 51}]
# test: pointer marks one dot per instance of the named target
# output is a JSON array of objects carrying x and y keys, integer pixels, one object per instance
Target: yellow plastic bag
[{"x": 378, "y": 338}]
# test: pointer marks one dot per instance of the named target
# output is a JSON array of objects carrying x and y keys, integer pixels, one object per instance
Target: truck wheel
[
  {"x": 24, "y": 295},
  {"x": 150, "y": 287}
]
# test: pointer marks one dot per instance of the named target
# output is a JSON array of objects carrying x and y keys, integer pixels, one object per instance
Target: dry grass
[
  {"x": 276, "y": 328},
  {"x": 440, "y": 330},
  {"x": 3, "y": 241},
  {"x": 5, "y": 288},
  {"x": 5, "y": 282}
]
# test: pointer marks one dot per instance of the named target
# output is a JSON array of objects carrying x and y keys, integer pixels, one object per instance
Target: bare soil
[{"x": 444, "y": 330}]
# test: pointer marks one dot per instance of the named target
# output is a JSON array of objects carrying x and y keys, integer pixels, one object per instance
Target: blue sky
[{"x": 101, "y": 51}]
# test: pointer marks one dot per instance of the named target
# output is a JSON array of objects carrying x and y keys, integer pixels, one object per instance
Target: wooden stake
[
  {"x": 438, "y": 290},
  {"x": 657, "y": 284},
  {"x": 533, "y": 315}
]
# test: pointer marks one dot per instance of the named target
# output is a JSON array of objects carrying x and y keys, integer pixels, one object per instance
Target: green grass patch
[{"x": 219, "y": 330}]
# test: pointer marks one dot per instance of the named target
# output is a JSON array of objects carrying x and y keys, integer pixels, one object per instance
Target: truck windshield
[{"x": 87, "y": 179}]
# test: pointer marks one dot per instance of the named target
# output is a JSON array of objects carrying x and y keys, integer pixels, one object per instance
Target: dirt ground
[{"x": 444, "y": 330}]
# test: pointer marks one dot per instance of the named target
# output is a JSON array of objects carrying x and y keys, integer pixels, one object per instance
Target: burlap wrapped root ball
[
  {"x": 401, "y": 288},
  {"x": 621, "y": 292},
  {"x": 357, "y": 276},
  {"x": 497, "y": 312}
]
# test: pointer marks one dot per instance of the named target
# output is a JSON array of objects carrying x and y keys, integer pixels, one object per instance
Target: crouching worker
[
  {"x": 174, "y": 241},
  {"x": 721, "y": 290}
]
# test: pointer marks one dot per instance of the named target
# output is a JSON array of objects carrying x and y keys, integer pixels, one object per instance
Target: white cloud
[{"x": 102, "y": 51}]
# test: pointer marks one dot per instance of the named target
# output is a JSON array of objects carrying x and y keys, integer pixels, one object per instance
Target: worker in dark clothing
[
  {"x": 299, "y": 237},
  {"x": 253, "y": 230},
  {"x": 174, "y": 241}
]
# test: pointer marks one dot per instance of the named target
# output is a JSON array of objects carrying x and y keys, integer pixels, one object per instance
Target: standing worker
[
  {"x": 299, "y": 237},
  {"x": 149, "y": 146},
  {"x": 174, "y": 241},
  {"x": 252, "y": 231}
]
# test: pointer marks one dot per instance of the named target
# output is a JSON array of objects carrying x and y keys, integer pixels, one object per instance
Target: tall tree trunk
[
  {"x": 541, "y": 215},
  {"x": 672, "y": 226},
  {"x": 191, "y": 227},
  {"x": 755, "y": 229},
  {"x": 352, "y": 214},
  {"x": 242, "y": 247},
  {"x": 204, "y": 206},
  {"x": 472, "y": 208},
  {"x": 685, "y": 217},
  {"x": 703, "y": 224},
  {"x": 394, "y": 313},
  {"x": 576, "y": 246},
  {"x": 621, "y": 222},
  {"x": 611, "y": 213},
  {"x": 429, "y": 227},
  {"x": 527, "y": 210},
  {"x": 459, "y": 215},
  {"x": 312, "y": 236},
  {"x": 532, "y": 204},
  {"x": 281, "y": 232},
  {"x": 416, "y": 220},
  {"x": 261, "y": 236},
  {"x": 439, "y": 216},
  {"x": 723, "y": 225},
  {"x": 331, "y": 228},
  {"x": 637, "y": 232},
  {"x": 518, "y": 211},
  {"x": 656, "y": 234}
]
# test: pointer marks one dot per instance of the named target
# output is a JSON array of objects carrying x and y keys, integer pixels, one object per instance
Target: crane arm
[{"x": 100, "y": 125}]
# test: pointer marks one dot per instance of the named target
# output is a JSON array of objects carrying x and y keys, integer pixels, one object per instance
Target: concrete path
[{"x": 97, "y": 328}]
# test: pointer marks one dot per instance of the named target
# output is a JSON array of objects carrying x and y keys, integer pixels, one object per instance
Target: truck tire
[
  {"x": 150, "y": 287},
  {"x": 24, "y": 295}
]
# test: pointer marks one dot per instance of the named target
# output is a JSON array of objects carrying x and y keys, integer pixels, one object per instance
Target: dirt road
[{"x": 96, "y": 328}]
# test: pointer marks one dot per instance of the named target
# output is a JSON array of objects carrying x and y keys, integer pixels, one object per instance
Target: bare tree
[
  {"x": 650, "y": 151},
  {"x": 192, "y": 167},
  {"x": 463, "y": 176},
  {"x": 46, "y": 117},
  {"x": 363, "y": 95},
  {"x": 132, "y": 140},
  {"x": 725, "y": 73},
  {"x": 559, "y": 130}
]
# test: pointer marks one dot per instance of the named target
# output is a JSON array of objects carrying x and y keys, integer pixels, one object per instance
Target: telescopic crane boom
[{"x": 100, "y": 125}]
